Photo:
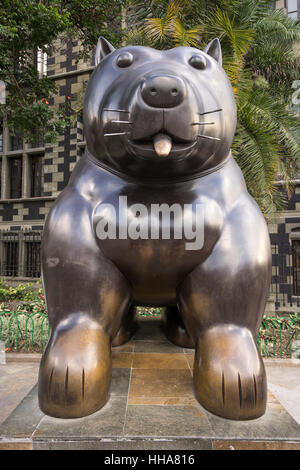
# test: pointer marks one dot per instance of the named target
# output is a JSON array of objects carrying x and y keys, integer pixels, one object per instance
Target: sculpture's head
[{"x": 152, "y": 113}]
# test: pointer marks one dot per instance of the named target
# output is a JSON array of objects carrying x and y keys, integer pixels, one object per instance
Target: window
[
  {"x": 33, "y": 259},
  {"x": 40, "y": 62},
  {"x": 1, "y": 137},
  {"x": 38, "y": 140},
  {"x": 296, "y": 266},
  {"x": 15, "y": 172},
  {"x": 16, "y": 141},
  {"x": 293, "y": 8},
  {"x": 36, "y": 175},
  {"x": 11, "y": 256},
  {"x": 0, "y": 177},
  {"x": 20, "y": 253}
]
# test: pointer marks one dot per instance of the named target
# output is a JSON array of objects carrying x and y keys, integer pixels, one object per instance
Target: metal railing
[
  {"x": 278, "y": 337},
  {"x": 29, "y": 332},
  {"x": 23, "y": 331},
  {"x": 20, "y": 253},
  {"x": 285, "y": 282}
]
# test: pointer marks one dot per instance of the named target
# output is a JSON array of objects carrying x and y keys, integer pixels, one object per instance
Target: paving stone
[
  {"x": 275, "y": 422},
  {"x": 156, "y": 347},
  {"x": 126, "y": 444},
  {"x": 109, "y": 421},
  {"x": 159, "y": 361},
  {"x": 161, "y": 383},
  {"x": 119, "y": 385},
  {"x": 149, "y": 330},
  {"x": 180, "y": 421},
  {"x": 23, "y": 421}
]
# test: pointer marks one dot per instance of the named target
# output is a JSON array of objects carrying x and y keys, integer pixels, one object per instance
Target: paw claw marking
[
  {"x": 223, "y": 388},
  {"x": 82, "y": 385},
  {"x": 67, "y": 383},
  {"x": 255, "y": 390},
  {"x": 239, "y": 389},
  {"x": 50, "y": 383}
]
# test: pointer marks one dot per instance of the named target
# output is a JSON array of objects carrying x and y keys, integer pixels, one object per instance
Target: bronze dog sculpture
[{"x": 159, "y": 126}]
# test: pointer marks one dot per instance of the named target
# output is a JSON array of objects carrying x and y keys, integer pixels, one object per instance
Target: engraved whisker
[
  {"x": 210, "y": 112},
  {"x": 208, "y": 137},
  {"x": 116, "y": 110},
  {"x": 203, "y": 123},
  {"x": 116, "y": 133},
  {"x": 123, "y": 122}
]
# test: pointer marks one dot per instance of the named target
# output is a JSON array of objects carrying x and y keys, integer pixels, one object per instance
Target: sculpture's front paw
[
  {"x": 229, "y": 375},
  {"x": 75, "y": 370}
]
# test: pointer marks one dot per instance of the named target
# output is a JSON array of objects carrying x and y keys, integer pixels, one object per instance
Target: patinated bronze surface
[{"x": 159, "y": 127}]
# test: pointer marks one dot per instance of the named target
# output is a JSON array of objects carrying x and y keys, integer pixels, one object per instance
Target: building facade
[{"x": 32, "y": 176}]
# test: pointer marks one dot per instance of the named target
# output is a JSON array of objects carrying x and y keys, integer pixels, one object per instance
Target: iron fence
[
  {"x": 278, "y": 337},
  {"x": 23, "y": 331},
  {"x": 29, "y": 332},
  {"x": 285, "y": 282},
  {"x": 20, "y": 253}
]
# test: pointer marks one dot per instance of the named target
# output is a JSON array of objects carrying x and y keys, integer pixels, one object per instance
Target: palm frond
[
  {"x": 231, "y": 34},
  {"x": 266, "y": 142},
  {"x": 185, "y": 37},
  {"x": 280, "y": 25},
  {"x": 261, "y": 62},
  {"x": 160, "y": 29}
]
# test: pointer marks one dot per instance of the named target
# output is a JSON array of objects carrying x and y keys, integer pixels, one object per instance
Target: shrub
[{"x": 26, "y": 292}]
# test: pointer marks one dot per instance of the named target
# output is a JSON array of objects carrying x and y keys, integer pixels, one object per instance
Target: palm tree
[{"x": 261, "y": 61}]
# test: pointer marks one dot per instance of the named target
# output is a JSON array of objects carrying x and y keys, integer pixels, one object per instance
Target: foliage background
[{"x": 259, "y": 56}]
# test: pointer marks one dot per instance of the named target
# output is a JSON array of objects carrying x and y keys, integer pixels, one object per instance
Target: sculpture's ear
[
  {"x": 102, "y": 50},
  {"x": 214, "y": 49}
]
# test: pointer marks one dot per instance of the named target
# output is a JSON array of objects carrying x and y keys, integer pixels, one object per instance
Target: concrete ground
[
  {"x": 149, "y": 361},
  {"x": 284, "y": 382}
]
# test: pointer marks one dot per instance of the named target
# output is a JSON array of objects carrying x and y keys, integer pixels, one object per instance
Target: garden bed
[{"x": 24, "y": 325}]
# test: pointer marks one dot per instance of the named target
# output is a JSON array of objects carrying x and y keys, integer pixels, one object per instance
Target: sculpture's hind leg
[
  {"x": 127, "y": 329},
  {"x": 223, "y": 301},
  {"x": 174, "y": 328},
  {"x": 86, "y": 299}
]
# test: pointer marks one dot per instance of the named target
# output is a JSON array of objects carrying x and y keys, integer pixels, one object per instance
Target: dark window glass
[
  {"x": 36, "y": 175},
  {"x": 1, "y": 137},
  {"x": 33, "y": 259},
  {"x": 11, "y": 253},
  {"x": 16, "y": 141},
  {"x": 15, "y": 165},
  {"x": 296, "y": 266}
]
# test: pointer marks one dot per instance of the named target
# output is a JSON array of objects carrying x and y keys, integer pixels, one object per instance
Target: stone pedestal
[{"x": 151, "y": 407}]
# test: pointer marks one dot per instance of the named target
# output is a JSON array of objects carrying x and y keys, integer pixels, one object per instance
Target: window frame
[
  {"x": 298, "y": 8},
  {"x": 1, "y": 136},
  {"x": 19, "y": 177},
  {"x": 296, "y": 279},
  {"x": 33, "y": 159}
]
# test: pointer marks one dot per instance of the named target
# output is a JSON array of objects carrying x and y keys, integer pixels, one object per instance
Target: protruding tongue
[{"x": 162, "y": 144}]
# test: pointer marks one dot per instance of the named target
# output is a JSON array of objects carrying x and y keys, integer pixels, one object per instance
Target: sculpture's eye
[
  {"x": 125, "y": 59},
  {"x": 198, "y": 62}
]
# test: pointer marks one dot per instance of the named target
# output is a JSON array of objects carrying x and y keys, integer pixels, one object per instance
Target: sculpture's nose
[{"x": 163, "y": 91}]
